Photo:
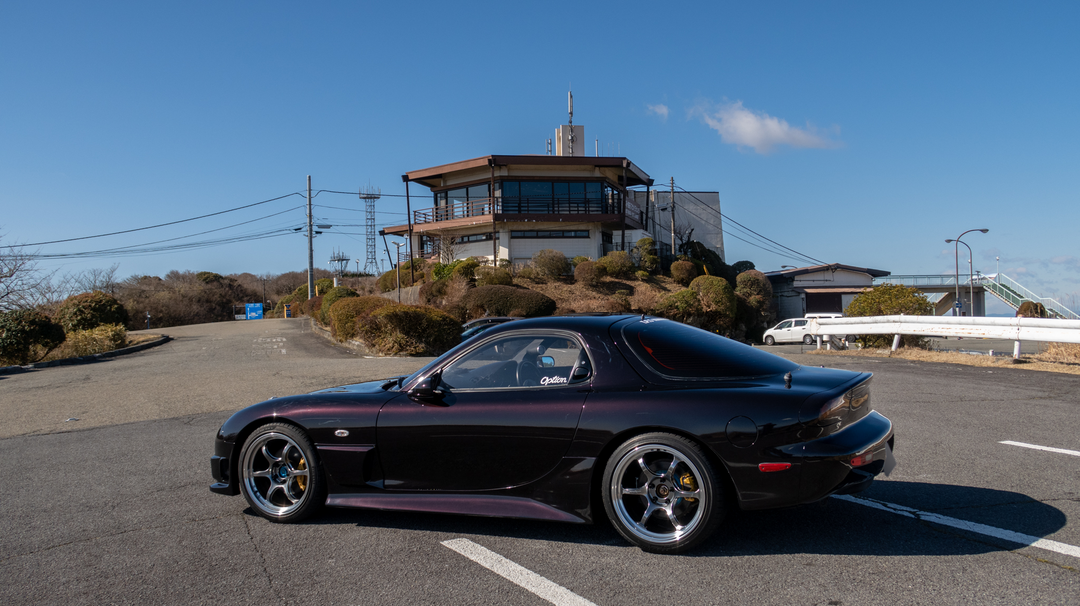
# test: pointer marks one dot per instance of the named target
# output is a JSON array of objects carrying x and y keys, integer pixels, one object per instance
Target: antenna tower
[
  {"x": 369, "y": 195},
  {"x": 570, "y": 97},
  {"x": 341, "y": 260}
]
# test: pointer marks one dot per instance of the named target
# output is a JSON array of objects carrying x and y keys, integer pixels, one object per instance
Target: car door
[
  {"x": 783, "y": 332},
  {"x": 503, "y": 414},
  {"x": 799, "y": 328}
]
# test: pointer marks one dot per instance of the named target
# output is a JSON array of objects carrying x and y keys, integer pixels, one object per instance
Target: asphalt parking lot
[{"x": 107, "y": 500}]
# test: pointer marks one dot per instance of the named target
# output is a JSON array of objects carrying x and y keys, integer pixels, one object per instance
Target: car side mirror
[
  {"x": 547, "y": 362},
  {"x": 426, "y": 390}
]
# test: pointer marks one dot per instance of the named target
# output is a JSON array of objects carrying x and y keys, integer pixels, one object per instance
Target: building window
[
  {"x": 560, "y": 197},
  {"x": 550, "y": 234}
]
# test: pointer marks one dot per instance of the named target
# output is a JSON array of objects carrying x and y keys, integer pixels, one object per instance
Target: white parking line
[
  {"x": 983, "y": 529},
  {"x": 515, "y": 573},
  {"x": 1046, "y": 448}
]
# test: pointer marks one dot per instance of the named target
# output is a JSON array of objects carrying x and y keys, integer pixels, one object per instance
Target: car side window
[
  {"x": 800, "y": 323},
  {"x": 515, "y": 362},
  {"x": 785, "y": 324}
]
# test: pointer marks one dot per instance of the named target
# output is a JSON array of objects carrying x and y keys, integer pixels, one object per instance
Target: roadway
[{"x": 114, "y": 507}]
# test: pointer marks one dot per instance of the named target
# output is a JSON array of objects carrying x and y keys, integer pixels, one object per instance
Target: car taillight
[{"x": 863, "y": 459}]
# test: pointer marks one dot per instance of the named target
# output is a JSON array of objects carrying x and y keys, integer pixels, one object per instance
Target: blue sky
[{"x": 858, "y": 133}]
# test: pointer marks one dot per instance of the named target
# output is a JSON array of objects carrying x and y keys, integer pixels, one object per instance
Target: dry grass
[{"x": 1065, "y": 359}]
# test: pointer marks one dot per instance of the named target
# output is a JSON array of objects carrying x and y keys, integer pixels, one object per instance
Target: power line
[{"x": 128, "y": 231}]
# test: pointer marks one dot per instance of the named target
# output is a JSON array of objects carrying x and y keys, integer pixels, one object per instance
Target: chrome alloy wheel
[
  {"x": 275, "y": 474},
  {"x": 656, "y": 492}
]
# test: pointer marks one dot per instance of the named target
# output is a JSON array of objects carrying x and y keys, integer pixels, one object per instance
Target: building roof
[
  {"x": 798, "y": 271},
  {"x": 432, "y": 177}
]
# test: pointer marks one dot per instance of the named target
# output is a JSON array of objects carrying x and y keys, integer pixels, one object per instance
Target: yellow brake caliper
[
  {"x": 301, "y": 481},
  {"x": 687, "y": 482}
]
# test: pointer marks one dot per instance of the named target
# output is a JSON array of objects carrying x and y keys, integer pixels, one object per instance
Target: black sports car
[{"x": 660, "y": 425}]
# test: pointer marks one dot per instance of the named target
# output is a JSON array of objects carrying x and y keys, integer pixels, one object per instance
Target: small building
[
  {"x": 819, "y": 288},
  {"x": 509, "y": 207}
]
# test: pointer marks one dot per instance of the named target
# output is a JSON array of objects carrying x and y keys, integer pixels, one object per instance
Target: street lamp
[
  {"x": 956, "y": 253},
  {"x": 399, "y": 245}
]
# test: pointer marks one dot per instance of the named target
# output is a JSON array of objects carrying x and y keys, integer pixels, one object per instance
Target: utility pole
[
  {"x": 310, "y": 246},
  {"x": 673, "y": 218}
]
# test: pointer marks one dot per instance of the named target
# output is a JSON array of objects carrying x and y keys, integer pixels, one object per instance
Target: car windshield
[{"x": 678, "y": 351}]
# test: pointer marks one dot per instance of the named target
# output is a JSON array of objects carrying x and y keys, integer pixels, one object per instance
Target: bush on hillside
[
  {"x": 25, "y": 334},
  {"x": 616, "y": 264},
  {"x": 497, "y": 300},
  {"x": 312, "y": 307},
  {"x": 550, "y": 264},
  {"x": 588, "y": 273},
  {"x": 718, "y": 302},
  {"x": 397, "y": 329},
  {"x": 90, "y": 310},
  {"x": 486, "y": 276},
  {"x": 107, "y": 337},
  {"x": 578, "y": 260},
  {"x": 683, "y": 272},
  {"x": 682, "y": 306}
]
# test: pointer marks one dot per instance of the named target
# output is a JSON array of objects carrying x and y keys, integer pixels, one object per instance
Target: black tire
[
  {"x": 645, "y": 488},
  {"x": 770, "y": 341},
  {"x": 280, "y": 474},
  {"x": 808, "y": 339}
]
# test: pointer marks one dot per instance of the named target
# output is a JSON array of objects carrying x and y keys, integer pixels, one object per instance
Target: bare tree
[
  {"x": 22, "y": 284},
  {"x": 446, "y": 248}
]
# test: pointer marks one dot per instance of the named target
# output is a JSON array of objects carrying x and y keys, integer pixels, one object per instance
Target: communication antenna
[
  {"x": 570, "y": 96},
  {"x": 369, "y": 195},
  {"x": 341, "y": 260}
]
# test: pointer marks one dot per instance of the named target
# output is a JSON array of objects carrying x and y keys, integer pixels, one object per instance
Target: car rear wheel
[
  {"x": 280, "y": 475},
  {"x": 661, "y": 493},
  {"x": 808, "y": 339},
  {"x": 770, "y": 341}
]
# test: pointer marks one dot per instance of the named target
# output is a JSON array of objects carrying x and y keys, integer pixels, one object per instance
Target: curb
[{"x": 5, "y": 370}]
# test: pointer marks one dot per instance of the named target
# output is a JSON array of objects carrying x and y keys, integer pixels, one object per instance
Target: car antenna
[
  {"x": 787, "y": 380},
  {"x": 642, "y": 316}
]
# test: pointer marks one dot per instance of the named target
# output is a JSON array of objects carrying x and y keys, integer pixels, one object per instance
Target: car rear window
[{"x": 678, "y": 351}]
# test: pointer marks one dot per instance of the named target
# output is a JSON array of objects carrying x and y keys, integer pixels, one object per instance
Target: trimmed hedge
[
  {"x": 617, "y": 264},
  {"x": 588, "y": 273},
  {"x": 333, "y": 296},
  {"x": 89, "y": 310},
  {"x": 24, "y": 330},
  {"x": 346, "y": 314},
  {"x": 498, "y": 300},
  {"x": 550, "y": 264},
  {"x": 486, "y": 276},
  {"x": 397, "y": 329}
]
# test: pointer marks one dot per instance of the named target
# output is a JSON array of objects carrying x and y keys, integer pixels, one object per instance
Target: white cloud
[
  {"x": 659, "y": 109},
  {"x": 740, "y": 126}
]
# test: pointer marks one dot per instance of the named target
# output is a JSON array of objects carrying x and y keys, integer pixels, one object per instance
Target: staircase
[{"x": 1013, "y": 294}]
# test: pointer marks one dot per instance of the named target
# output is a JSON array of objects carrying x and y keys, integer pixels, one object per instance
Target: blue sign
[
  {"x": 957, "y": 305},
  {"x": 254, "y": 311}
]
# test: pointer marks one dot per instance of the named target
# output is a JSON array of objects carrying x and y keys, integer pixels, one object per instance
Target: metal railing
[
  {"x": 1014, "y": 294},
  {"x": 1013, "y": 329},
  {"x": 460, "y": 209}
]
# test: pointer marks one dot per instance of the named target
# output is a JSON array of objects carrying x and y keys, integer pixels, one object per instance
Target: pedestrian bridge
[{"x": 942, "y": 289}]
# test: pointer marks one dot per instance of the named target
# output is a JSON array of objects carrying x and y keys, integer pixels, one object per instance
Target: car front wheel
[
  {"x": 770, "y": 341},
  {"x": 661, "y": 493},
  {"x": 280, "y": 475}
]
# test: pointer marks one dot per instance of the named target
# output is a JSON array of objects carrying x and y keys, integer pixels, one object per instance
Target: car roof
[{"x": 582, "y": 322}]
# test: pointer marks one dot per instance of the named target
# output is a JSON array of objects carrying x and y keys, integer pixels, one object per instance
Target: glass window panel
[
  {"x": 458, "y": 195},
  {"x": 478, "y": 192},
  {"x": 510, "y": 189}
]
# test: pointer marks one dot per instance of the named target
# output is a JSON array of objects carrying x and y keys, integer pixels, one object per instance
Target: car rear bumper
[{"x": 847, "y": 461}]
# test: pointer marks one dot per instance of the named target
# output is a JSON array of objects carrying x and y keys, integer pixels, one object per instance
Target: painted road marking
[
  {"x": 1046, "y": 448},
  {"x": 983, "y": 529},
  {"x": 517, "y": 574}
]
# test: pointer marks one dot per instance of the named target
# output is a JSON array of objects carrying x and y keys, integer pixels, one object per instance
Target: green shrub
[
  {"x": 486, "y": 276},
  {"x": 346, "y": 314},
  {"x": 890, "y": 300},
  {"x": 683, "y": 272},
  {"x": 578, "y": 260},
  {"x": 333, "y": 296},
  {"x": 717, "y": 302},
  {"x": 616, "y": 264},
  {"x": 682, "y": 306},
  {"x": 465, "y": 268},
  {"x": 498, "y": 300},
  {"x": 23, "y": 332},
  {"x": 90, "y": 310},
  {"x": 527, "y": 273},
  {"x": 208, "y": 277},
  {"x": 300, "y": 294},
  {"x": 588, "y": 273},
  {"x": 323, "y": 286},
  {"x": 410, "y": 330},
  {"x": 642, "y": 275},
  {"x": 755, "y": 292},
  {"x": 388, "y": 281},
  {"x": 550, "y": 264}
]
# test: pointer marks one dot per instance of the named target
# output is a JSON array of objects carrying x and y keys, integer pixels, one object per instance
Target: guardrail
[{"x": 1014, "y": 329}]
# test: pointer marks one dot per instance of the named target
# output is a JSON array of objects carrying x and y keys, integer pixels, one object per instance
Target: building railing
[{"x": 460, "y": 209}]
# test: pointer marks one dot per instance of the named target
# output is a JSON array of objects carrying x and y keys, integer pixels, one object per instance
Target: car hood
[{"x": 367, "y": 387}]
